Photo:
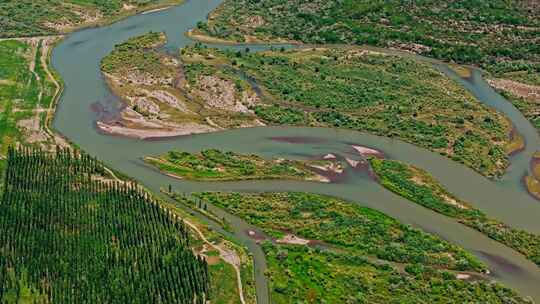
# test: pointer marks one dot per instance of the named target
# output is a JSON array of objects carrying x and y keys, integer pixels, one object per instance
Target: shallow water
[{"x": 77, "y": 61}]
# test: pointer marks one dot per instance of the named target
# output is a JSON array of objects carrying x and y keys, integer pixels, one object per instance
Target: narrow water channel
[{"x": 77, "y": 61}]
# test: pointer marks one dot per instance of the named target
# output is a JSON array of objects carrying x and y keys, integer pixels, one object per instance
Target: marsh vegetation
[
  {"x": 419, "y": 187},
  {"x": 216, "y": 165},
  {"x": 356, "y": 254}
]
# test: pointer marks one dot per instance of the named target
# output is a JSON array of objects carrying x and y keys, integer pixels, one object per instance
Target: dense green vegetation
[
  {"x": 357, "y": 89},
  {"x": 215, "y": 165},
  {"x": 136, "y": 53},
  {"x": 341, "y": 267},
  {"x": 299, "y": 274},
  {"x": 418, "y": 186},
  {"x": 499, "y": 35},
  {"x": 69, "y": 236},
  {"x": 24, "y": 18},
  {"x": 223, "y": 282},
  {"x": 343, "y": 224}
]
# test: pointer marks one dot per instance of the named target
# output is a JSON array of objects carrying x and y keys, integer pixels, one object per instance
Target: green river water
[{"x": 77, "y": 59}]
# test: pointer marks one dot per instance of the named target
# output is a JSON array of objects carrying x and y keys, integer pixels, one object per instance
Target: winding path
[{"x": 229, "y": 256}]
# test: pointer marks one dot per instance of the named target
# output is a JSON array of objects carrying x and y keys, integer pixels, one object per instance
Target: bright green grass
[
  {"x": 223, "y": 284},
  {"x": 302, "y": 275},
  {"x": 20, "y": 89}
]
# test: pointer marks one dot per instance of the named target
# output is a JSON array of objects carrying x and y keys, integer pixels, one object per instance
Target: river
[{"x": 77, "y": 59}]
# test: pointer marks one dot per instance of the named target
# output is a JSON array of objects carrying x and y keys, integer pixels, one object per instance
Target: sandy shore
[
  {"x": 292, "y": 239},
  {"x": 365, "y": 151},
  {"x": 187, "y": 129},
  {"x": 156, "y": 10}
]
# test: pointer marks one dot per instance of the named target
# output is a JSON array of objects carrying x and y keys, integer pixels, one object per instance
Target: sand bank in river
[
  {"x": 185, "y": 129},
  {"x": 366, "y": 152}
]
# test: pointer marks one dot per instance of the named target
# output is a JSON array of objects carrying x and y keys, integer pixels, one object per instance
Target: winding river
[{"x": 77, "y": 59}]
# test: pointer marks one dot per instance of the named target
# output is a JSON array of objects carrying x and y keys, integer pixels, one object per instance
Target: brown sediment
[
  {"x": 516, "y": 144},
  {"x": 532, "y": 180},
  {"x": 503, "y": 263},
  {"x": 532, "y": 185},
  {"x": 353, "y": 163},
  {"x": 333, "y": 170},
  {"x": 186, "y": 129},
  {"x": 166, "y": 106},
  {"x": 329, "y": 156},
  {"x": 201, "y": 37},
  {"x": 258, "y": 237},
  {"x": 292, "y": 239},
  {"x": 535, "y": 165},
  {"x": 518, "y": 89},
  {"x": 367, "y": 152},
  {"x": 461, "y": 71}
]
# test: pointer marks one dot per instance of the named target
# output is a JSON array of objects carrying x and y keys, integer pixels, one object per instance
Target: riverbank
[
  {"x": 127, "y": 153},
  {"x": 239, "y": 20},
  {"x": 202, "y": 37},
  {"x": 328, "y": 249},
  {"x": 215, "y": 165},
  {"x": 419, "y": 187},
  {"x": 30, "y": 95},
  {"x": 216, "y": 90},
  {"x": 73, "y": 17},
  {"x": 532, "y": 180},
  {"x": 46, "y": 105},
  {"x": 525, "y": 97}
]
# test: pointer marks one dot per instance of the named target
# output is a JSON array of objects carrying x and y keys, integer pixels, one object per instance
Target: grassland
[
  {"x": 366, "y": 91},
  {"x": 419, "y": 187},
  {"x": 355, "y": 258},
  {"x": 26, "y": 18},
  {"x": 501, "y": 36},
  {"x": 27, "y": 91},
  {"x": 216, "y": 165},
  {"x": 299, "y": 273},
  {"x": 220, "y": 252}
]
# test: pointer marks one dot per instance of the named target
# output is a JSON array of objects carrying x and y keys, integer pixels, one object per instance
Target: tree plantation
[{"x": 69, "y": 235}]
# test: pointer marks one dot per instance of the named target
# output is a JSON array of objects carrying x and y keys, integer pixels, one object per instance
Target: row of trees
[{"x": 69, "y": 236}]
